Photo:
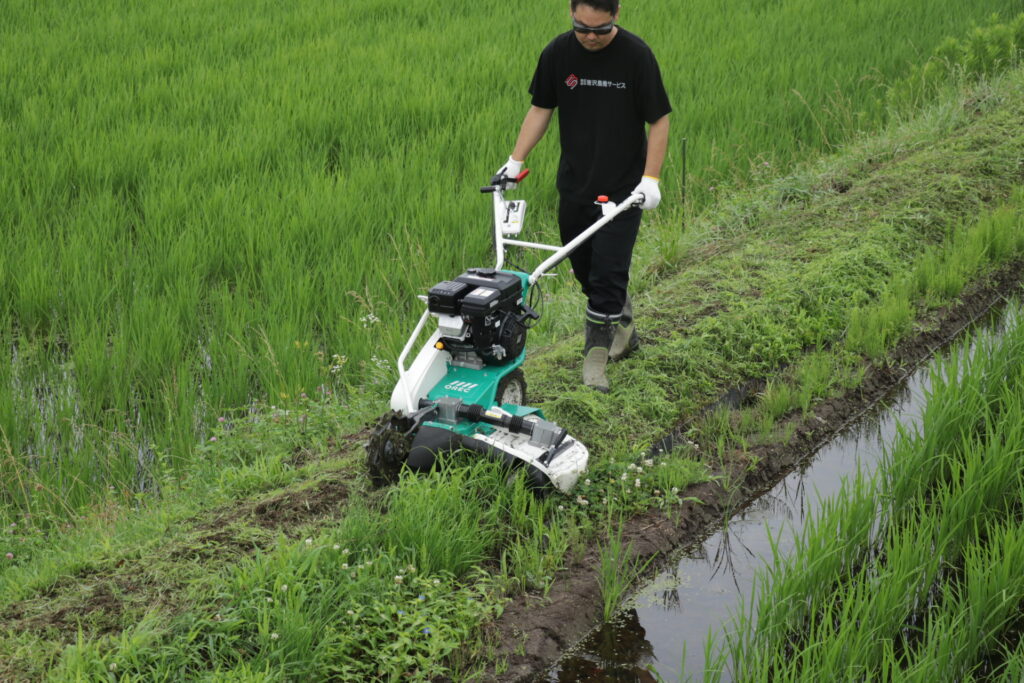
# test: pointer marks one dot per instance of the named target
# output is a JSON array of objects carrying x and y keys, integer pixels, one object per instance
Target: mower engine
[{"x": 481, "y": 316}]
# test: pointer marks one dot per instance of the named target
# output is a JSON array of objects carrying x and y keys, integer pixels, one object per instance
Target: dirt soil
[{"x": 534, "y": 631}]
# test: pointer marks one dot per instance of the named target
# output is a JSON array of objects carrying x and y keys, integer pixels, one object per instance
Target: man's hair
[{"x": 609, "y": 6}]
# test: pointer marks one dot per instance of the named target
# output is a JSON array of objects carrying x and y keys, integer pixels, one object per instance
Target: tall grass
[{"x": 209, "y": 204}]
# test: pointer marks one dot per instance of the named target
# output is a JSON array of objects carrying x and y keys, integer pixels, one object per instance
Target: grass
[
  {"x": 190, "y": 212},
  {"x": 618, "y": 569},
  {"x": 912, "y": 572},
  {"x": 748, "y": 297}
]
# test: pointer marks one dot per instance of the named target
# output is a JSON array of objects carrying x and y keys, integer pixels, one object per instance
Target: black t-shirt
[{"x": 603, "y": 100}]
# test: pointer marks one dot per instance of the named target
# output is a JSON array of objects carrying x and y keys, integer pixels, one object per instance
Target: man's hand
[
  {"x": 510, "y": 170},
  {"x": 652, "y": 194}
]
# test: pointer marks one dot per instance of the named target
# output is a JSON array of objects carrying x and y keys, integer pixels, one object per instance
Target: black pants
[{"x": 601, "y": 264}]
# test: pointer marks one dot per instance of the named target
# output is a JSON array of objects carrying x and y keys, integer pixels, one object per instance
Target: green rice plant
[
  {"x": 778, "y": 398},
  {"x": 814, "y": 377},
  {"x": 618, "y": 569},
  {"x": 914, "y": 568},
  {"x": 986, "y": 49},
  {"x": 873, "y": 329}
]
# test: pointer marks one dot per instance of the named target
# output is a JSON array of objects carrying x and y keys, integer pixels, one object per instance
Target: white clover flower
[
  {"x": 350, "y": 613},
  {"x": 309, "y": 541},
  {"x": 113, "y": 666},
  {"x": 636, "y": 483},
  {"x": 437, "y": 582},
  {"x": 624, "y": 476},
  {"x": 274, "y": 636},
  {"x": 270, "y": 600},
  {"x": 344, "y": 565},
  {"x": 675, "y": 490},
  {"x": 586, "y": 482},
  {"x": 284, "y": 588},
  {"x": 337, "y": 547},
  {"x": 343, "y": 552},
  {"x": 649, "y": 462},
  {"x": 399, "y": 578}
]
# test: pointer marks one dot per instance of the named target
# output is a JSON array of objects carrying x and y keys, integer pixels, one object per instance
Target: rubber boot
[
  {"x": 626, "y": 339},
  {"x": 595, "y": 354}
]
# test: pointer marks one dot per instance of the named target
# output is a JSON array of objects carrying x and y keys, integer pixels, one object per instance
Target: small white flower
[
  {"x": 284, "y": 587},
  {"x": 270, "y": 600},
  {"x": 309, "y": 541},
  {"x": 624, "y": 476},
  {"x": 350, "y": 613},
  {"x": 399, "y": 578},
  {"x": 344, "y": 565},
  {"x": 675, "y": 490},
  {"x": 411, "y": 569},
  {"x": 636, "y": 483},
  {"x": 113, "y": 666},
  {"x": 561, "y": 508},
  {"x": 343, "y": 552},
  {"x": 336, "y": 546},
  {"x": 437, "y": 582},
  {"x": 649, "y": 462},
  {"x": 586, "y": 482},
  {"x": 274, "y": 636}
]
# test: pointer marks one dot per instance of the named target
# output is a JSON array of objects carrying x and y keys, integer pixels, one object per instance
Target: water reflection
[{"x": 619, "y": 651}]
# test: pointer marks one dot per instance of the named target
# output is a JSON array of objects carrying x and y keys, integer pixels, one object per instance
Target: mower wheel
[
  {"x": 512, "y": 388},
  {"x": 388, "y": 448}
]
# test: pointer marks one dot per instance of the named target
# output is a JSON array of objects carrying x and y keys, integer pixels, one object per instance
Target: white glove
[
  {"x": 652, "y": 195},
  {"x": 511, "y": 169}
]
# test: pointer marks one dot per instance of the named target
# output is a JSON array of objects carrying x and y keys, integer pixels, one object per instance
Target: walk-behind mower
[{"x": 466, "y": 389}]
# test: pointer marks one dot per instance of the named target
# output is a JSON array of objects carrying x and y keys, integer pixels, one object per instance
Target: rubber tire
[{"x": 512, "y": 383}]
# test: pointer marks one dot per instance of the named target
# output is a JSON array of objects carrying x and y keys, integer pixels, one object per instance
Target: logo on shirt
[{"x": 572, "y": 81}]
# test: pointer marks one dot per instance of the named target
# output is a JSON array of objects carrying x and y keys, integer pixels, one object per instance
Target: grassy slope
[{"x": 753, "y": 284}]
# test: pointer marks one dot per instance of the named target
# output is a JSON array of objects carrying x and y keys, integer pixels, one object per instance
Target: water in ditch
[{"x": 662, "y": 634}]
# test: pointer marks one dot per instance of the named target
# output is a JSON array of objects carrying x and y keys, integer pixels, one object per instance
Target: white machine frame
[{"x": 430, "y": 364}]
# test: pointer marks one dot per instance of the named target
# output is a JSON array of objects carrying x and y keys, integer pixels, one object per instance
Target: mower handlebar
[{"x": 503, "y": 182}]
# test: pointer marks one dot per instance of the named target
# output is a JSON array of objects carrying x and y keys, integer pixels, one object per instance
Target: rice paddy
[
  {"x": 212, "y": 205},
  {"x": 912, "y": 572}
]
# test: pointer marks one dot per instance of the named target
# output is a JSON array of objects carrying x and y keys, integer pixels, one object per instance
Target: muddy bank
[{"x": 534, "y": 631}]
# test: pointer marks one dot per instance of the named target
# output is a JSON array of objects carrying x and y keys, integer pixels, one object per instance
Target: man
[{"x": 606, "y": 85}]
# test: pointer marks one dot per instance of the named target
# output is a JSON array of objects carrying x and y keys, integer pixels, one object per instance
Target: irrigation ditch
[{"x": 562, "y": 637}]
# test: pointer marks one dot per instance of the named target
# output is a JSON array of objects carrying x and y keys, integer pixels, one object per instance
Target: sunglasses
[{"x": 597, "y": 30}]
